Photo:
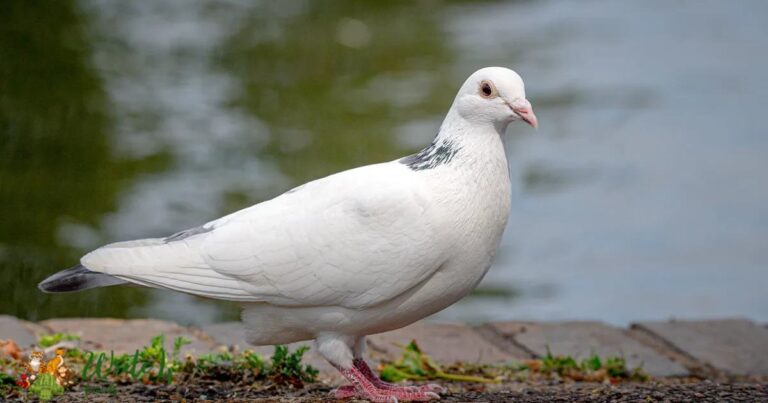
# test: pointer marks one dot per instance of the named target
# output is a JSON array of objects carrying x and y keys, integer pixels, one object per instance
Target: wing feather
[{"x": 354, "y": 239}]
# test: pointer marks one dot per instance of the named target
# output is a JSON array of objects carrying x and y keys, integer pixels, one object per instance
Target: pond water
[{"x": 642, "y": 196}]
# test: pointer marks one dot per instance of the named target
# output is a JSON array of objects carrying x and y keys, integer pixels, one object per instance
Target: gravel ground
[{"x": 701, "y": 391}]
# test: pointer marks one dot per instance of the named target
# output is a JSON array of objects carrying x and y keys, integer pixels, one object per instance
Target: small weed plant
[
  {"x": 284, "y": 368},
  {"x": 154, "y": 364},
  {"x": 56, "y": 338},
  {"x": 414, "y": 365},
  {"x": 590, "y": 369}
]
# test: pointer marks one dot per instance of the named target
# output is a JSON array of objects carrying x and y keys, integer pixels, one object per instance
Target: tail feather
[{"x": 77, "y": 278}]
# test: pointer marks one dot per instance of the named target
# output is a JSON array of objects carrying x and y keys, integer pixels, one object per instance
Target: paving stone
[
  {"x": 24, "y": 333},
  {"x": 446, "y": 343},
  {"x": 736, "y": 346},
  {"x": 581, "y": 339},
  {"x": 126, "y": 336}
]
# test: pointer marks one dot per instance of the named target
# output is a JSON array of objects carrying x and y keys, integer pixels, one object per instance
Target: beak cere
[{"x": 524, "y": 109}]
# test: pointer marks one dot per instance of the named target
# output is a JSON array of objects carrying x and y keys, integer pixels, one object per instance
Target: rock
[
  {"x": 446, "y": 343},
  {"x": 127, "y": 336},
  {"x": 581, "y": 339},
  {"x": 736, "y": 346},
  {"x": 24, "y": 333}
]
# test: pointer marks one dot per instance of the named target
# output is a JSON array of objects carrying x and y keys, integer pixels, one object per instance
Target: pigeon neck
[
  {"x": 459, "y": 141},
  {"x": 457, "y": 127}
]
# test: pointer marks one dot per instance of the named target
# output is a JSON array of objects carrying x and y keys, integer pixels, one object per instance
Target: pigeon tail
[{"x": 77, "y": 278}]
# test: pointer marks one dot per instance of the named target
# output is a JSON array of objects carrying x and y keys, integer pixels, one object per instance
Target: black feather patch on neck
[{"x": 438, "y": 153}]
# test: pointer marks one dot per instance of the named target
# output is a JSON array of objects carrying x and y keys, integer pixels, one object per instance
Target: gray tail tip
[{"x": 77, "y": 278}]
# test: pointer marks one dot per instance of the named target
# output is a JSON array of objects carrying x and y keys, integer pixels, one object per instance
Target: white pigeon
[{"x": 359, "y": 252}]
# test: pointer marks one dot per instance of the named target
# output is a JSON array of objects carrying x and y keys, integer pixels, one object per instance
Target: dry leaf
[{"x": 9, "y": 348}]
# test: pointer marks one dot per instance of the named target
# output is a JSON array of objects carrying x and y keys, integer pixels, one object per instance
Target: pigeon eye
[{"x": 486, "y": 89}]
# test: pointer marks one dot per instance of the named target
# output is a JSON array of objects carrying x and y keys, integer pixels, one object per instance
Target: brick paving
[{"x": 732, "y": 347}]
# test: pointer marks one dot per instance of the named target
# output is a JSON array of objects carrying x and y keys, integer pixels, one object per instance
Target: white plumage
[
  {"x": 325, "y": 243},
  {"x": 363, "y": 251}
]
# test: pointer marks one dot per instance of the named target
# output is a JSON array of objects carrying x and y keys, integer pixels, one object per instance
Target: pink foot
[
  {"x": 344, "y": 392},
  {"x": 363, "y": 388},
  {"x": 348, "y": 391}
]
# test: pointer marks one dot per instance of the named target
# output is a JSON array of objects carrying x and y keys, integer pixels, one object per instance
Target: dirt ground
[{"x": 664, "y": 391}]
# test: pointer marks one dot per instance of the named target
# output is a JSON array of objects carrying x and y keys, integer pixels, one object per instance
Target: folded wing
[{"x": 354, "y": 239}]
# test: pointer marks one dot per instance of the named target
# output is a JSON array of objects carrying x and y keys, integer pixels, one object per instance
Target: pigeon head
[{"x": 494, "y": 95}]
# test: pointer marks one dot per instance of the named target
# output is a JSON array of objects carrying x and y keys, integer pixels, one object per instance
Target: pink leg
[{"x": 364, "y": 388}]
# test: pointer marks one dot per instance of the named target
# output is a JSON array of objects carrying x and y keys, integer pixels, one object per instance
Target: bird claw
[
  {"x": 433, "y": 387},
  {"x": 402, "y": 393},
  {"x": 366, "y": 385},
  {"x": 343, "y": 392},
  {"x": 368, "y": 373},
  {"x": 432, "y": 395}
]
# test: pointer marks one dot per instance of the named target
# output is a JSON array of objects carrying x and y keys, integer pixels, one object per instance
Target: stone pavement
[{"x": 732, "y": 347}]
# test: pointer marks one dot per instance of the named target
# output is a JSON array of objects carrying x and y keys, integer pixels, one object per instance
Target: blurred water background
[{"x": 644, "y": 195}]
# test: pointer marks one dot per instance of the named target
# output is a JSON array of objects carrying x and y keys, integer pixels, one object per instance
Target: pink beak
[{"x": 524, "y": 109}]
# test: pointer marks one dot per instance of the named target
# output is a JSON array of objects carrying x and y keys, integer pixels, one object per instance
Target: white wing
[{"x": 354, "y": 239}]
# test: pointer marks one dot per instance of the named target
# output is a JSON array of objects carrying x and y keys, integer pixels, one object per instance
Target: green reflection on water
[
  {"x": 56, "y": 161},
  {"x": 333, "y": 83},
  {"x": 331, "y": 106}
]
